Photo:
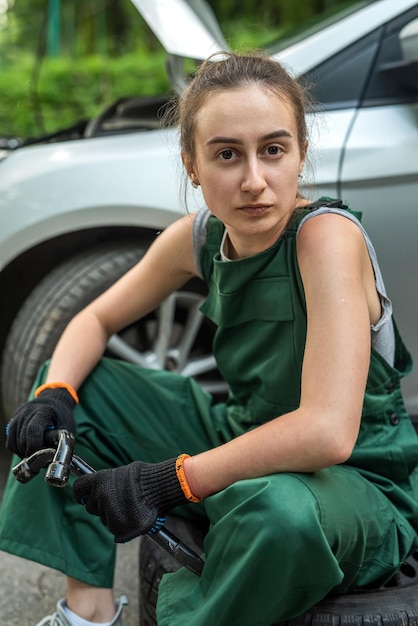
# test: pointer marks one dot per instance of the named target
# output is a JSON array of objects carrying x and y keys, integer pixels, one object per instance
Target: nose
[{"x": 254, "y": 180}]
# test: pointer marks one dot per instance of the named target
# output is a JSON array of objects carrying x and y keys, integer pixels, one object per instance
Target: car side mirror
[
  {"x": 405, "y": 71},
  {"x": 408, "y": 38}
]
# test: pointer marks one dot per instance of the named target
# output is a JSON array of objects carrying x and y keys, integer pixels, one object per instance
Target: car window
[
  {"x": 368, "y": 73},
  {"x": 389, "y": 82},
  {"x": 339, "y": 82}
]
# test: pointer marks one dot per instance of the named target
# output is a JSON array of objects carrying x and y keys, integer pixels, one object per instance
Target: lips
[{"x": 256, "y": 209}]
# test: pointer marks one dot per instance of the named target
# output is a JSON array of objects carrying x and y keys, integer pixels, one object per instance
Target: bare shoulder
[
  {"x": 331, "y": 234},
  {"x": 175, "y": 244},
  {"x": 333, "y": 257},
  {"x": 182, "y": 227}
]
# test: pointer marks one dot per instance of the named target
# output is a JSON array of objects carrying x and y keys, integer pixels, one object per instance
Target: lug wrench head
[
  {"x": 58, "y": 471},
  {"x": 28, "y": 468},
  {"x": 57, "y": 461}
]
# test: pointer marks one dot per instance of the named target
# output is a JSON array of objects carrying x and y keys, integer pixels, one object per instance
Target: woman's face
[{"x": 247, "y": 161}]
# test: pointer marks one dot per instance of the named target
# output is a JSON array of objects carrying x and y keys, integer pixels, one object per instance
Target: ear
[
  {"x": 188, "y": 166},
  {"x": 190, "y": 169}
]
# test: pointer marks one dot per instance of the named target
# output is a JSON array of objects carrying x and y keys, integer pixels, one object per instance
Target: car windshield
[{"x": 288, "y": 35}]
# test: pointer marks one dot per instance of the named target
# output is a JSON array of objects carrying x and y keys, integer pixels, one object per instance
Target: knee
[
  {"x": 288, "y": 509},
  {"x": 278, "y": 506}
]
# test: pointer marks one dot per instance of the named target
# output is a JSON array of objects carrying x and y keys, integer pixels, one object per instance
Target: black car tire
[
  {"x": 48, "y": 309},
  {"x": 69, "y": 288},
  {"x": 393, "y": 605}
]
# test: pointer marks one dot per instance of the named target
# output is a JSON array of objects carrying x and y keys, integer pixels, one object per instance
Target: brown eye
[
  {"x": 226, "y": 154},
  {"x": 274, "y": 150}
]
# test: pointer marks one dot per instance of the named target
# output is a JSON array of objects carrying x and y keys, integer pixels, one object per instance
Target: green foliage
[
  {"x": 74, "y": 27},
  {"x": 242, "y": 36},
  {"x": 283, "y": 13},
  {"x": 70, "y": 90}
]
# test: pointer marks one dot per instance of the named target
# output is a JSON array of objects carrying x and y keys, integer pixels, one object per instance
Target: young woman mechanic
[{"x": 308, "y": 480}]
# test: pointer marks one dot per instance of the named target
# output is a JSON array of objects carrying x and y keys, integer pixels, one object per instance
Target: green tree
[{"x": 74, "y": 27}]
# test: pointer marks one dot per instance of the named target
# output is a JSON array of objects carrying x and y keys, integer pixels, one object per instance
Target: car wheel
[
  {"x": 393, "y": 605},
  {"x": 176, "y": 336}
]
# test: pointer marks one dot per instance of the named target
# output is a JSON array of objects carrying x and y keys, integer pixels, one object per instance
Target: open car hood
[{"x": 186, "y": 28}]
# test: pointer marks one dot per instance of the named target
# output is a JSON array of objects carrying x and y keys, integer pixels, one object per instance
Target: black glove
[
  {"x": 25, "y": 432},
  {"x": 133, "y": 499}
]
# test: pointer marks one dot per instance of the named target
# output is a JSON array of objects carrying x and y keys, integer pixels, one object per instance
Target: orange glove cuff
[
  {"x": 66, "y": 386},
  {"x": 182, "y": 479}
]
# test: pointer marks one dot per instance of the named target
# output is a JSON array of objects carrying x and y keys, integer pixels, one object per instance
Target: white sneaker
[{"x": 59, "y": 618}]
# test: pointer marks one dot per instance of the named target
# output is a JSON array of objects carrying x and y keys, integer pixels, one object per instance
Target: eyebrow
[{"x": 276, "y": 134}]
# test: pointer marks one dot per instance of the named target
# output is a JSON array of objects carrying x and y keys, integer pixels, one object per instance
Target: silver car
[{"x": 75, "y": 213}]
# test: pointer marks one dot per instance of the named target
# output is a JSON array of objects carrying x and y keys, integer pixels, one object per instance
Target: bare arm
[
  {"x": 341, "y": 300},
  {"x": 167, "y": 265}
]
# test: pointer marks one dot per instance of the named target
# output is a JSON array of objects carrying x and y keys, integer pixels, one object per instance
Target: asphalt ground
[{"x": 30, "y": 591}]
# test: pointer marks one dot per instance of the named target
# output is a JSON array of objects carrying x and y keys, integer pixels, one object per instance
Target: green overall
[{"x": 276, "y": 544}]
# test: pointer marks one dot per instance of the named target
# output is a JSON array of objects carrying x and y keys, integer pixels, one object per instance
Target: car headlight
[{"x": 7, "y": 144}]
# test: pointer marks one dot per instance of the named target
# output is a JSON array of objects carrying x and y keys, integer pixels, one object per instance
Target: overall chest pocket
[{"x": 264, "y": 299}]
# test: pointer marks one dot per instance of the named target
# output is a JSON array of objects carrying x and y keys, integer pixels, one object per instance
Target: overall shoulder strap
[{"x": 331, "y": 203}]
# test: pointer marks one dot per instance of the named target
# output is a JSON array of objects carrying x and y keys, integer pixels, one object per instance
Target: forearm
[
  {"x": 291, "y": 443},
  {"x": 78, "y": 350}
]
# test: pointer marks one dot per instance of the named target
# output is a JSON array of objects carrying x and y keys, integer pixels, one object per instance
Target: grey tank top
[{"x": 382, "y": 333}]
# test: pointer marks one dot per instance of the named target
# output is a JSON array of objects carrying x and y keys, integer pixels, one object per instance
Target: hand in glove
[
  {"x": 133, "y": 499},
  {"x": 52, "y": 408}
]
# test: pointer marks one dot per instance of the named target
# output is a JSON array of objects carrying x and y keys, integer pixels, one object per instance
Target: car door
[{"x": 379, "y": 172}]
